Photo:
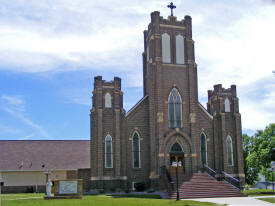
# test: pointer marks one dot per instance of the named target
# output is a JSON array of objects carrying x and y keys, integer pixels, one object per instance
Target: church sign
[{"x": 68, "y": 187}]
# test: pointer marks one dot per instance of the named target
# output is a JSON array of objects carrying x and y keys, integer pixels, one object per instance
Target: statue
[{"x": 49, "y": 185}]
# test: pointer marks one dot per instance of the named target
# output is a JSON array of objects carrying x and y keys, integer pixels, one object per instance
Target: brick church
[{"x": 168, "y": 125}]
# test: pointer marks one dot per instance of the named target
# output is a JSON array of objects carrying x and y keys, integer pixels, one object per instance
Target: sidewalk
[{"x": 238, "y": 201}]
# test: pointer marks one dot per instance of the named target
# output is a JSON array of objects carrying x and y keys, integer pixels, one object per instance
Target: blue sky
[{"x": 51, "y": 50}]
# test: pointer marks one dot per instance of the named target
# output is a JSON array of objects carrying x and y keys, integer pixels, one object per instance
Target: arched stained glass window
[
  {"x": 108, "y": 100},
  {"x": 176, "y": 148},
  {"x": 226, "y": 105},
  {"x": 229, "y": 150},
  {"x": 165, "y": 40},
  {"x": 203, "y": 150},
  {"x": 136, "y": 150},
  {"x": 175, "y": 109},
  {"x": 108, "y": 152}
]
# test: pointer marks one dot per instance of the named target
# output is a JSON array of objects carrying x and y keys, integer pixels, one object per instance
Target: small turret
[{"x": 221, "y": 100}]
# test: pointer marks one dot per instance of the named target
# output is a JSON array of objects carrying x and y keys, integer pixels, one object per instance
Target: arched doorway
[{"x": 176, "y": 155}]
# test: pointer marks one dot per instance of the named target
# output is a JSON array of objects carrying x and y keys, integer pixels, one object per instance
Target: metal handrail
[
  {"x": 210, "y": 171},
  {"x": 230, "y": 179}
]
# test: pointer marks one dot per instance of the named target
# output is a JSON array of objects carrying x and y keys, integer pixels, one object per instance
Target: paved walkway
[
  {"x": 24, "y": 198},
  {"x": 238, "y": 201}
]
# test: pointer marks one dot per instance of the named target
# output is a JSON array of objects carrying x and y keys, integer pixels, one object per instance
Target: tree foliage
[{"x": 258, "y": 153}]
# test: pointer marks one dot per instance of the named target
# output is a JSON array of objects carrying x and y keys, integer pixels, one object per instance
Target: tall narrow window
[
  {"x": 136, "y": 150},
  {"x": 203, "y": 150},
  {"x": 175, "y": 109},
  {"x": 108, "y": 100},
  {"x": 226, "y": 105},
  {"x": 108, "y": 152},
  {"x": 179, "y": 49},
  {"x": 166, "y": 56},
  {"x": 229, "y": 150},
  {"x": 147, "y": 54}
]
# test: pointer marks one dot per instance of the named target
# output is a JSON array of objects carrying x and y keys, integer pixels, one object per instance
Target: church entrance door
[{"x": 176, "y": 156}]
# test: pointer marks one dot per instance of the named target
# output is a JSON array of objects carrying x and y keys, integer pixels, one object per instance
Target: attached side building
[{"x": 23, "y": 163}]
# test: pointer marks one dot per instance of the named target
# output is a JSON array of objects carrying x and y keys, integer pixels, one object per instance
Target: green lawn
[
  {"x": 94, "y": 200},
  {"x": 271, "y": 200},
  {"x": 259, "y": 192}
]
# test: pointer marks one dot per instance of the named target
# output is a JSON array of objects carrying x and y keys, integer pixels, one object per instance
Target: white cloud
[
  {"x": 15, "y": 106},
  {"x": 78, "y": 96},
  {"x": 13, "y": 100},
  {"x": 238, "y": 49},
  {"x": 28, "y": 122},
  {"x": 234, "y": 41}
]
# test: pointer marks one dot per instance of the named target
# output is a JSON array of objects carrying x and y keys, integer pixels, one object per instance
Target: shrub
[
  {"x": 127, "y": 190},
  {"x": 101, "y": 191},
  {"x": 150, "y": 190},
  {"x": 113, "y": 189},
  {"x": 29, "y": 189},
  {"x": 140, "y": 186}
]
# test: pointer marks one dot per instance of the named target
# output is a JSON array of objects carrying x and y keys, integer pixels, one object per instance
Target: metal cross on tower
[{"x": 171, "y": 6}]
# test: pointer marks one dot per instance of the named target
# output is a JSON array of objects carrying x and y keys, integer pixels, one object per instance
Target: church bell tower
[{"x": 169, "y": 64}]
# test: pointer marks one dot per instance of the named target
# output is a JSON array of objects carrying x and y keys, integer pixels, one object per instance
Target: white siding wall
[{"x": 25, "y": 178}]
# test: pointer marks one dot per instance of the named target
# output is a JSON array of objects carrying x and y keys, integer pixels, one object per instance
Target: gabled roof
[
  {"x": 205, "y": 111},
  {"x": 16, "y": 155},
  {"x": 136, "y": 105}
]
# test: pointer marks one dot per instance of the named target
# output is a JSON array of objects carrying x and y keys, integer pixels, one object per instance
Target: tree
[
  {"x": 251, "y": 167},
  {"x": 266, "y": 143},
  {"x": 258, "y": 154}
]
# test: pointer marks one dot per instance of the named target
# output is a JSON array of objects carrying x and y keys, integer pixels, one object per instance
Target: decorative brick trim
[
  {"x": 109, "y": 178},
  {"x": 172, "y": 26}
]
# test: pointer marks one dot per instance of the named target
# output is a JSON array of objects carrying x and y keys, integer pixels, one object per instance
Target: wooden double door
[{"x": 177, "y": 158}]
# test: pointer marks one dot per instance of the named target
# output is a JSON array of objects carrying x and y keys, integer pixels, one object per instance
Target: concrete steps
[{"x": 201, "y": 185}]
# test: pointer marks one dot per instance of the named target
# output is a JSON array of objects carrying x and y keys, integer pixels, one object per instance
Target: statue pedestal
[{"x": 66, "y": 189}]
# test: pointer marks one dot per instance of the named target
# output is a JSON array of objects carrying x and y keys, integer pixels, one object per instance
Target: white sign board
[
  {"x": 175, "y": 164},
  {"x": 67, "y": 187}
]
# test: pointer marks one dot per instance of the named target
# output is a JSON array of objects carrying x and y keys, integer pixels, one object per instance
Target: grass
[
  {"x": 259, "y": 192},
  {"x": 151, "y": 196},
  {"x": 271, "y": 200},
  {"x": 96, "y": 200}
]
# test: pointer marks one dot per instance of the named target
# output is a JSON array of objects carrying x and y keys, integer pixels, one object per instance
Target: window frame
[
  {"x": 227, "y": 105},
  {"x": 133, "y": 152},
  {"x": 174, "y": 110},
  {"x": 108, "y": 153},
  {"x": 180, "y": 38},
  {"x": 108, "y": 95},
  {"x": 163, "y": 36},
  {"x": 227, "y": 150},
  {"x": 205, "y": 138}
]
